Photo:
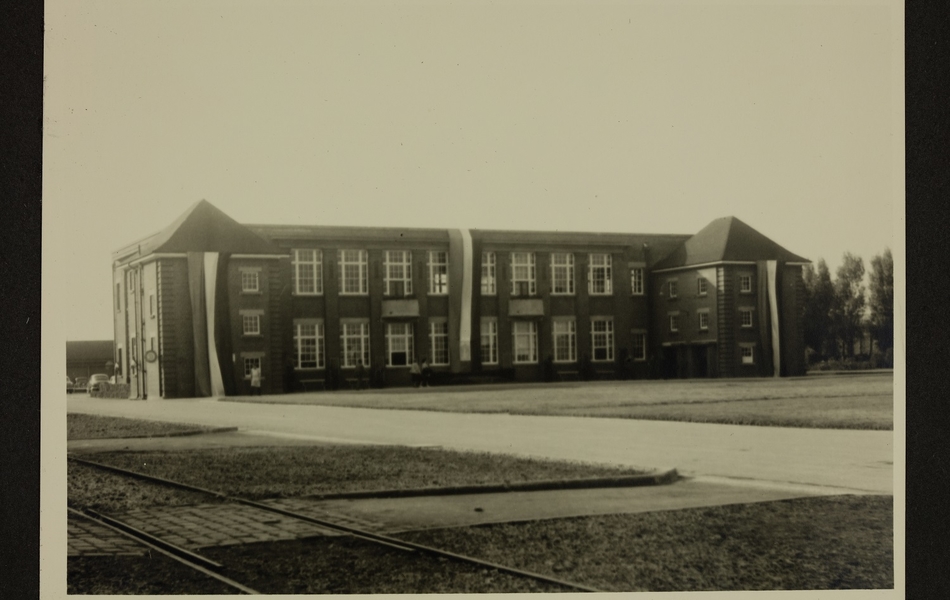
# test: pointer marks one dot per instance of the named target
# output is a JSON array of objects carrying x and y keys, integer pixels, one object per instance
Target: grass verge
[
  {"x": 150, "y": 574},
  {"x": 89, "y": 487},
  {"x": 88, "y": 427}
]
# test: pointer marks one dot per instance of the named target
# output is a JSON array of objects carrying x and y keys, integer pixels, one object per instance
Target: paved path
[{"x": 858, "y": 460}]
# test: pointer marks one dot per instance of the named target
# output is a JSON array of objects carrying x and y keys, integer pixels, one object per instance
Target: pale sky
[{"x": 578, "y": 116}]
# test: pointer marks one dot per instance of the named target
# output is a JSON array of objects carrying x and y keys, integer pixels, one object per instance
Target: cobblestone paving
[
  {"x": 88, "y": 538},
  {"x": 313, "y": 508}
]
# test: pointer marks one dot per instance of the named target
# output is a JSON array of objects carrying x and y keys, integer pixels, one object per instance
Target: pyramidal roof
[
  {"x": 727, "y": 239},
  {"x": 204, "y": 228}
]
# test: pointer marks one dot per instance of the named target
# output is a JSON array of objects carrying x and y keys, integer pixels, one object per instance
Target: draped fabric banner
[
  {"x": 773, "y": 309},
  {"x": 222, "y": 325},
  {"x": 465, "y": 325},
  {"x": 214, "y": 366},
  {"x": 199, "y": 329}
]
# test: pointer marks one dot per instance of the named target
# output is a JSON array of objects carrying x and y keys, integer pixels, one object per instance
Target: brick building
[{"x": 200, "y": 303}]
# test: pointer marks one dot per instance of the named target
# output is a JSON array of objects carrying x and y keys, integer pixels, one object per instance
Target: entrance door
[
  {"x": 700, "y": 366},
  {"x": 670, "y": 367}
]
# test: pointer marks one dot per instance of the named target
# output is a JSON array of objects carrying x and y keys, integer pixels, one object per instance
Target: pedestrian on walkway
[
  {"x": 255, "y": 381},
  {"x": 415, "y": 373}
]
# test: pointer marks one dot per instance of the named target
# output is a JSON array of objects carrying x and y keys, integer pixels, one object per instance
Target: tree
[
  {"x": 819, "y": 305},
  {"x": 882, "y": 299},
  {"x": 849, "y": 301}
]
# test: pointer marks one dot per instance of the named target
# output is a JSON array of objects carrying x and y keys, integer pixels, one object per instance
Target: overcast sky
[{"x": 622, "y": 117}]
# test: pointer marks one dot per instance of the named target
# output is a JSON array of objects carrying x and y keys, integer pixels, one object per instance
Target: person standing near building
[
  {"x": 415, "y": 373},
  {"x": 426, "y": 372},
  {"x": 255, "y": 381}
]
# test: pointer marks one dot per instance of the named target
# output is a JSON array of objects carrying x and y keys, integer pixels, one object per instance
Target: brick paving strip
[{"x": 88, "y": 538}]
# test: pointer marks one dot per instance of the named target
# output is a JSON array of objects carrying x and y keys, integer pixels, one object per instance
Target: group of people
[{"x": 420, "y": 374}]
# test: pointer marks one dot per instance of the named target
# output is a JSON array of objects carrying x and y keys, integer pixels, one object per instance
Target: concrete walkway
[{"x": 841, "y": 459}]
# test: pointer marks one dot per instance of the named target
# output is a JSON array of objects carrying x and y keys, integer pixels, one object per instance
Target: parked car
[
  {"x": 79, "y": 385},
  {"x": 95, "y": 381}
]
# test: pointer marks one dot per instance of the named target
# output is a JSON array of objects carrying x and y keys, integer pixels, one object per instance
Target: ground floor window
[
  {"x": 565, "y": 340},
  {"x": 251, "y": 363},
  {"x": 525, "y": 334},
  {"x": 439, "y": 342},
  {"x": 639, "y": 346},
  {"x": 354, "y": 343},
  {"x": 308, "y": 346},
  {"x": 748, "y": 354},
  {"x": 398, "y": 344},
  {"x": 602, "y": 339},
  {"x": 489, "y": 342}
]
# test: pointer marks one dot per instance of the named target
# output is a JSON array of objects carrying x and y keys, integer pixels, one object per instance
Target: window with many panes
[
  {"x": 307, "y": 272},
  {"x": 252, "y": 324},
  {"x": 438, "y": 342},
  {"x": 438, "y": 272},
  {"x": 525, "y": 337},
  {"x": 674, "y": 323},
  {"x": 308, "y": 345},
  {"x": 251, "y": 363},
  {"x": 745, "y": 317},
  {"x": 523, "y": 275},
  {"x": 745, "y": 284},
  {"x": 602, "y": 339},
  {"x": 488, "y": 274},
  {"x": 354, "y": 343},
  {"x": 701, "y": 289},
  {"x": 353, "y": 272},
  {"x": 562, "y": 273},
  {"x": 565, "y": 340},
  {"x": 397, "y": 272},
  {"x": 703, "y": 320},
  {"x": 673, "y": 287},
  {"x": 636, "y": 281},
  {"x": 599, "y": 275},
  {"x": 639, "y": 346},
  {"x": 489, "y": 341},
  {"x": 250, "y": 281},
  {"x": 747, "y": 353},
  {"x": 398, "y": 344}
]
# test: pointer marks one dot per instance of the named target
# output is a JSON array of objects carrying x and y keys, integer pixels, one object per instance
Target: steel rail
[
  {"x": 366, "y": 535},
  {"x": 148, "y": 541}
]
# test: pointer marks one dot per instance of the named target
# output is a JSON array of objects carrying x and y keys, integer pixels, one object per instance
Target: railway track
[{"x": 210, "y": 568}]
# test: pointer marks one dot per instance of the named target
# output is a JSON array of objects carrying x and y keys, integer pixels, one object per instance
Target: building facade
[{"x": 203, "y": 302}]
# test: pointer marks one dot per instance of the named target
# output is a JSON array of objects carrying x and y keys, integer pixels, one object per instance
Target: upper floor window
[
  {"x": 599, "y": 278},
  {"x": 489, "y": 341},
  {"x": 701, "y": 286},
  {"x": 525, "y": 334},
  {"x": 118, "y": 297},
  {"x": 439, "y": 342},
  {"x": 399, "y": 344},
  {"x": 438, "y": 272},
  {"x": 703, "y": 320},
  {"x": 673, "y": 286},
  {"x": 252, "y": 324},
  {"x": 636, "y": 281},
  {"x": 745, "y": 284},
  {"x": 565, "y": 340},
  {"x": 307, "y": 272},
  {"x": 354, "y": 343},
  {"x": 602, "y": 339},
  {"x": 353, "y": 272},
  {"x": 562, "y": 273},
  {"x": 745, "y": 317},
  {"x": 250, "y": 281},
  {"x": 674, "y": 323},
  {"x": 488, "y": 274},
  {"x": 151, "y": 305},
  {"x": 523, "y": 276},
  {"x": 308, "y": 345},
  {"x": 397, "y": 265}
]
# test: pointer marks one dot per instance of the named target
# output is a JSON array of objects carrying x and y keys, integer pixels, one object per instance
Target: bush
[{"x": 111, "y": 390}]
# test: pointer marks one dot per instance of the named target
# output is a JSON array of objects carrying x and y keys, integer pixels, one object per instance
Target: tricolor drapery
[{"x": 210, "y": 319}]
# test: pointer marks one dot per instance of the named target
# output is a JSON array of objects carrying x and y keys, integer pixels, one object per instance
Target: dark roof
[
  {"x": 727, "y": 239},
  {"x": 202, "y": 228},
  {"x": 89, "y": 351}
]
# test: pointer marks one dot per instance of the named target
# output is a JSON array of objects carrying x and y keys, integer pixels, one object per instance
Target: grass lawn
[
  {"x": 87, "y": 427},
  {"x": 830, "y": 401}
]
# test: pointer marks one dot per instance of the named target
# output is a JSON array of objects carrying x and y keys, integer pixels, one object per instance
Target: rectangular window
[
  {"x": 599, "y": 275},
  {"x": 523, "y": 276},
  {"x": 602, "y": 339},
  {"x": 353, "y": 272},
  {"x": 399, "y": 344},
  {"x": 252, "y": 324},
  {"x": 438, "y": 273},
  {"x": 307, "y": 272},
  {"x": 565, "y": 340},
  {"x": 562, "y": 273},
  {"x": 748, "y": 354},
  {"x": 489, "y": 341},
  {"x": 745, "y": 317},
  {"x": 703, "y": 321},
  {"x": 250, "y": 282},
  {"x": 488, "y": 273},
  {"x": 636, "y": 282},
  {"x": 151, "y": 305},
  {"x": 525, "y": 334},
  {"x": 251, "y": 363},
  {"x": 354, "y": 343},
  {"x": 639, "y": 346},
  {"x": 308, "y": 346},
  {"x": 118, "y": 297},
  {"x": 439, "y": 342},
  {"x": 745, "y": 284},
  {"x": 701, "y": 286},
  {"x": 397, "y": 265},
  {"x": 674, "y": 288},
  {"x": 674, "y": 323}
]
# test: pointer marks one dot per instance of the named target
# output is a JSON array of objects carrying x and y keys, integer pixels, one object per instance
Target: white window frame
[
  {"x": 311, "y": 266},
  {"x": 489, "y": 281},
  {"x": 564, "y": 329},
  {"x": 562, "y": 263},
  {"x": 250, "y": 362},
  {"x": 672, "y": 287},
  {"x": 743, "y": 311},
  {"x": 702, "y": 286},
  {"x": 600, "y": 263},
  {"x": 438, "y": 342},
  {"x": 526, "y": 332},
  {"x": 353, "y": 262},
  {"x": 524, "y": 271},
  {"x": 397, "y": 267},
  {"x": 703, "y": 317},
  {"x": 400, "y": 341},
  {"x": 250, "y": 281},
  {"x": 743, "y": 280},
  {"x": 438, "y": 272},
  {"x": 639, "y": 344},
  {"x": 636, "y": 281},
  {"x": 354, "y": 343},
  {"x": 489, "y": 340},
  {"x": 602, "y": 338},
  {"x": 674, "y": 323},
  {"x": 302, "y": 333},
  {"x": 747, "y": 354},
  {"x": 151, "y": 305},
  {"x": 251, "y": 324}
]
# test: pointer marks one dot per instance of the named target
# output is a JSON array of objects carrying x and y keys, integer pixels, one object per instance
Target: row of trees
[{"x": 841, "y": 315}]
